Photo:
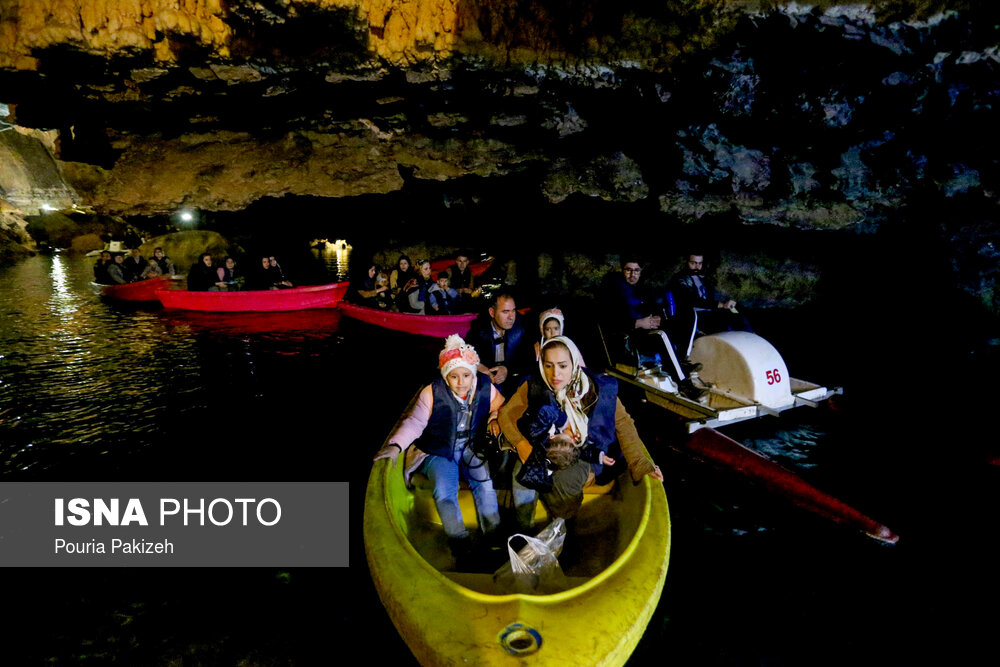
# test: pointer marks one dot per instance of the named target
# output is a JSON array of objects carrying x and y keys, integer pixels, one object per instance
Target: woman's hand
[
  {"x": 390, "y": 451},
  {"x": 606, "y": 460},
  {"x": 657, "y": 474},
  {"x": 494, "y": 428}
]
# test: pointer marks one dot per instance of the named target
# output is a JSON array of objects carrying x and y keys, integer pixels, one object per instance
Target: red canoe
[
  {"x": 439, "y": 326},
  {"x": 477, "y": 269},
  {"x": 293, "y": 298},
  {"x": 143, "y": 290},
  {"x": 710, "y": 445}
]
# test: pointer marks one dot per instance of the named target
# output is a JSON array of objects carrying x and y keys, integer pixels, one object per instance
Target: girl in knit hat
[{"x": 441, "y": 426}]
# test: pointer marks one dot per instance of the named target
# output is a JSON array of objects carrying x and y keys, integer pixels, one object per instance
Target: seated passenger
[
  {"x": 629, "y": 308},
  {"x": 116, "y": 271},
  {"x": 166, "y": 264},
  {"x": 503, "y": 343},
  {"x": 101, "y": 269},
  {"x": 134, "y": 265},
  {"x": 463, "y": 282},
  {"x": 203, "y": 277},
  {"x": 268, "y": 277},
  {"x": 280, "y": 282},
  {"x": 372, "y": 290},
  {"x": 442, "y": 298},
  {"x": 228, "y": 275},
  {"x": 567, "y": 401},
  {"x": 400, "y": 275},
  {"x": 442, "y": 424},
  {"x": 689, "y": 288},
  {"x": 152, "y": 270},
  {"x": 551, "y": 322},
  {"x": 413, "y": 297}
]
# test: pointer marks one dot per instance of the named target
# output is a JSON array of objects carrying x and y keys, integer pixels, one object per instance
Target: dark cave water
[{"x": 90, "y": 390}]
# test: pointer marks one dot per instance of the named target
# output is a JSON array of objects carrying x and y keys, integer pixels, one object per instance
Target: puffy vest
[{"x": 438, "y": 437}]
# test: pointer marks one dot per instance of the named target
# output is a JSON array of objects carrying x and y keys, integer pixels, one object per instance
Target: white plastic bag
[{"x": 535, "y": 566}]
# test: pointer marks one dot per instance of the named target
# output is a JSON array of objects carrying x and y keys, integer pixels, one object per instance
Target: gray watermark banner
[{"x": 174, "y": 524}]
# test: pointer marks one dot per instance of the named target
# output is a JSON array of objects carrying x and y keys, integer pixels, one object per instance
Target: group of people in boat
[
  {"x": 564, "y": 422},
  {"x": 119, "y": 269},
  {"x": 206, "y": 276},
  {"x": 415, "y": 288}
]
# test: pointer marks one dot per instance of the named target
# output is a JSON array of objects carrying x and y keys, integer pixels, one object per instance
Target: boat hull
[
  {"x": 143, "y": 290},
  {"x": 597, "y": 621},
  {"x": 438, "y": 326},
  {"x": 293, "y": 298}
]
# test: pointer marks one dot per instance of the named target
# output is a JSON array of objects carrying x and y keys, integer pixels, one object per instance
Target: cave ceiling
[{"x": 817, "y": 115}]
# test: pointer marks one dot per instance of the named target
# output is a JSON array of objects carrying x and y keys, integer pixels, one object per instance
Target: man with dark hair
[
  {"x": 462, "y": 281},
  {"x": 506, "y": 352},
  {"x": 689, "y": 289},
  {"x": 134, "y": 265},
  {"x": 629, "y": 307}
]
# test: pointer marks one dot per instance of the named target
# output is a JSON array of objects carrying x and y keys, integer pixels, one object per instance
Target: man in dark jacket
[
  {"x": 134, "y": 265},
  {"x": 690, "y": 289},
  {"x": 506, "y": 353},
  {"x": 629, "y": 307}
]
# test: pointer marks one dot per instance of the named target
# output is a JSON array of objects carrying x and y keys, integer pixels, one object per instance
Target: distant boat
[
  {"x": 449, "y": 617},
  {"x": 142, "y": 290},
  {"x": 477, "y": 268},
  {"x": 293, "y": 298},
  {"x": 439, "y": 326}
]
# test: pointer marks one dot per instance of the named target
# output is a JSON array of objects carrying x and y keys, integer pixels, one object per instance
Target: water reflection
[
  {"x": 335, "y": 255},
  {"x": 82, "y": 378}
]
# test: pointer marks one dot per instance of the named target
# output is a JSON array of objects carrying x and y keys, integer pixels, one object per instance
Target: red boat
[
  {"x": 477, "y": 269},
  {"x": 439, "y": 326},
  {"x": 293, "y": 298},
  {"x": 143, "y": 290}
]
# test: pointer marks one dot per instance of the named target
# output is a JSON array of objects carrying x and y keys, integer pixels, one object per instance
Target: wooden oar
[{"x": 714, "y": 447}]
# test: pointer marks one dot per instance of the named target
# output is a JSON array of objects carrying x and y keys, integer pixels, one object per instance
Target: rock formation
[{"x": 831, "y": 116}]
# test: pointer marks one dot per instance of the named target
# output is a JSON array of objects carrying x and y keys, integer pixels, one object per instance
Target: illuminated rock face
[{"x": 830, "y": 116}]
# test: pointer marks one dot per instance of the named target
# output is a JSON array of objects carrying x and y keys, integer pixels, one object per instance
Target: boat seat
[{"x": 423, "y": 500}]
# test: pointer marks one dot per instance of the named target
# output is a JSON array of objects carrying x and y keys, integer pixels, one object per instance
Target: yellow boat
[{"x": 458, "y": 618}]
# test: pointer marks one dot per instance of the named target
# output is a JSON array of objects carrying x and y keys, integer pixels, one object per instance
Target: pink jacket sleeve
[{"x": 414, "y": 421}]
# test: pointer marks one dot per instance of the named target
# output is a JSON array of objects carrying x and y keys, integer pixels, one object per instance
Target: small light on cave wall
[{"x": 186, "y": 217}]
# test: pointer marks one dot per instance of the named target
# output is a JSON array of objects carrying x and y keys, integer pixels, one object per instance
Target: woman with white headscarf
[{"x": 567, "y": 407}]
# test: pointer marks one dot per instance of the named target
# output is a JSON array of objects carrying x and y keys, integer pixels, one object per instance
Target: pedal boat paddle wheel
[{"x": 746, "y": 378}]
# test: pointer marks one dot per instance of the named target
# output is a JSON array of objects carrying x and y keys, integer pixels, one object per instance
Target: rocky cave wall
[{"x": 829, "y": 116}]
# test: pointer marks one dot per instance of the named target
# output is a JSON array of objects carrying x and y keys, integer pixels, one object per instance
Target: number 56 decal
[{"x": 773, "y": 377}]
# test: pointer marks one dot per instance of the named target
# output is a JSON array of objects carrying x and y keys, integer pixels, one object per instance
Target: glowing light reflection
[
  {"x": 336, "y": 254},
  {"x": 63, "y": 300}
]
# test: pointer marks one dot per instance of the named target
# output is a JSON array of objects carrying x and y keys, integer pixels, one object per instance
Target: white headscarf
[
  {"x": 551, "y": 314},
  {"x": 570, "y": 397}
]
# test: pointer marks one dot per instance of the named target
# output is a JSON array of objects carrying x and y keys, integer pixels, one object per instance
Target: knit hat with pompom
[{"x": 457, "y": 354}]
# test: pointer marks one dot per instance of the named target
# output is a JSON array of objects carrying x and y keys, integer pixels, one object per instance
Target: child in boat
[
  {"x": 442, "y": 297},
  {"x": 551, "y": 322},
  {"x": 441, "y": 425}
]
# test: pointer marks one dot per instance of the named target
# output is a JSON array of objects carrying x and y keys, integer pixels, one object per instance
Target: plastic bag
[{"x": 534, "y": 568}]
